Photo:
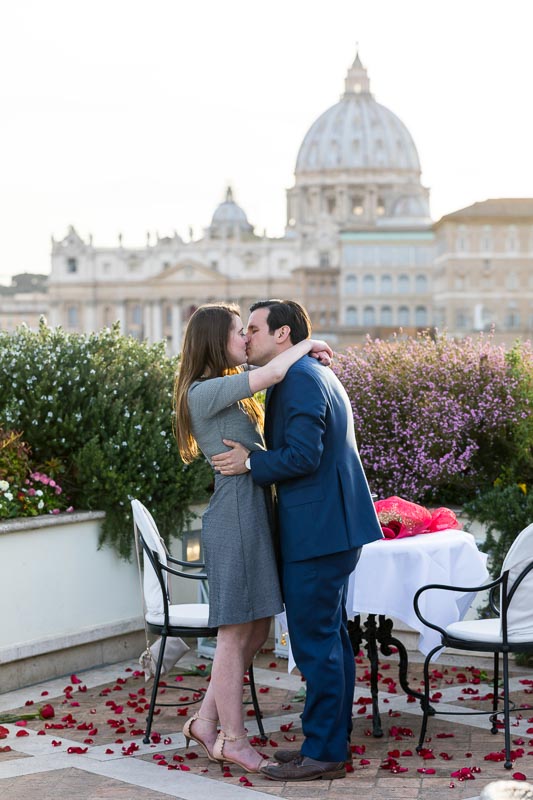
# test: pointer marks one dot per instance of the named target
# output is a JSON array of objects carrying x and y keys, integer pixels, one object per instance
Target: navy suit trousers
[{"x": 315, "y": 601}]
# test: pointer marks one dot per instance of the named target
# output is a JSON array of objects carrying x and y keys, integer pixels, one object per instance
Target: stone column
[
  {"x": 157, "y": 321},
  {"x": 147, "y": 322},
  {"x": 177, "y": 329}
]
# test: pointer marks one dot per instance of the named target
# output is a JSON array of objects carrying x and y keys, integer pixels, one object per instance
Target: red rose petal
[{"x": 519, "y": 776}]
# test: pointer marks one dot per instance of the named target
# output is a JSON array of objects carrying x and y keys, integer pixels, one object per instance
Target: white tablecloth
[{"x": 389, "y": 573}]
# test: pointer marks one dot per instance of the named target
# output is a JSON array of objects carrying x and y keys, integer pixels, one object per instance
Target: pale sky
[{"x": 128, "y": 116}]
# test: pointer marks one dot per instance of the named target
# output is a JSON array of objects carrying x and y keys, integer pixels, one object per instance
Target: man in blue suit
[{"x": 325, "y": 515}]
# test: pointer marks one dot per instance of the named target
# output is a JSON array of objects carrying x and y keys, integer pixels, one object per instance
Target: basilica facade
[{"x": 360, "y": 250}]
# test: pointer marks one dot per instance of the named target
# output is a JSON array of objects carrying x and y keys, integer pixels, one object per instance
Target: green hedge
[{"x": 97, "y": 413}]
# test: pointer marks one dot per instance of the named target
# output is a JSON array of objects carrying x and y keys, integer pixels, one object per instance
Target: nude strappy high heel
[
  {"x": 218, "y": 753},
  {"x": 190, "y": 735}
]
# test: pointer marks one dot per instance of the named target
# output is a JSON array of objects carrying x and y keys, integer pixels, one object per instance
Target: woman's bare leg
[{"x": 236, "y": 647}]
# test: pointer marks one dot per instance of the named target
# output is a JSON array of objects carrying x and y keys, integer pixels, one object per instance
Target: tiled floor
[{"x": 92, "y": 749}]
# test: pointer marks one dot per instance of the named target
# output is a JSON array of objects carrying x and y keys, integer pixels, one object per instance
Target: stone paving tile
[
  {"x": 112, "y": 716},
  {"x": 68, "y": 784},
  {"x": 11, "y": 754}
]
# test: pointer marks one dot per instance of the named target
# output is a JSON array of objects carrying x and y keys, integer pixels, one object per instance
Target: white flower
[
  {"x": 4, "y": 486},
  {"x": 40, "y": 504},
  {"x": 8, "y": 496}
]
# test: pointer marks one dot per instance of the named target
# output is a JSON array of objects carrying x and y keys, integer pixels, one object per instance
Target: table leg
[
  {"x": 371, "y": 636},
  {"x": 386, "y": 639},
  {"x": 357, "y": 635},
  {"x": 375, "y": 635}
]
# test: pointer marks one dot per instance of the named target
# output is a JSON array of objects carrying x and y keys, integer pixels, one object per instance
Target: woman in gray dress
[{"x": 214, "y": 401}]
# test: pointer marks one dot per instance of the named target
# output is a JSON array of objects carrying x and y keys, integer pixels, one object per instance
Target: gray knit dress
[{"x": 236, "y": 528}]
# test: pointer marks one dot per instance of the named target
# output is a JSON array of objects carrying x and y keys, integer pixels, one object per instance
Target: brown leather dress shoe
[
  {"x": 284, "y": 756},
  {"x": 303, "y": 768}
]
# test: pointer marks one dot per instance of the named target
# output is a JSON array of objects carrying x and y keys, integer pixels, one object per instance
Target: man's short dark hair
[{"x": 286, "y": 312}]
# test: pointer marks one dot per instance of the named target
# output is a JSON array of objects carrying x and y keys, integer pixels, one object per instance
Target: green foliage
[
  {"x": 14, "y": 457},
  {"x": 101, "y": 407},
  {"x": 507, "y": 506},
  {"x": 506, "y": 510}
]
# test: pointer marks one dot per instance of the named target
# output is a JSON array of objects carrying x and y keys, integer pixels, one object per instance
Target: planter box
[{"x": 66, "y": 605}]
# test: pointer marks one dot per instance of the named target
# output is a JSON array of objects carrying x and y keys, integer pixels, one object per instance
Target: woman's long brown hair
[{"x": 204, "y": 355}]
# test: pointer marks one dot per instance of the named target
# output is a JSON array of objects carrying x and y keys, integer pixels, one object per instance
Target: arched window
[
  {"x": 421, "y": 284},
  {"x": 109, "y": 316},
  {"x": 137, "y": 315},
  {"x": 358, "y": 206},
  {"x": 386, "y": 315},
  {"x": 486, "y": 239},
  {"x": 421, "y": 315},
  {"x": 462, "y": 238},
  {"x": 511, "y": 242},
  {"x": 350, "y": 316},
  {"x": 511, "y": 280},
  {"x": 512, "y": 317},
  {"x": 403, "y": 284},
  {"x": 350, "y": 284},
  {"x": 369, "y": 315},
  {"x": 461, "y": 320},
  {"x": 386, "y": 284},
  {"x": 403, "y": 315},
  {"x": 369, "y": 285},
  {"x": 72, "y": 316}
]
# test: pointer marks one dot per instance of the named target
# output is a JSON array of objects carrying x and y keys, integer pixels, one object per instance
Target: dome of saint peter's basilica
[{"x": 358, "y": 164}]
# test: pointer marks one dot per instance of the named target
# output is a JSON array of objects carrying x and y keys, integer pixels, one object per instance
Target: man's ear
[{"x": 282, "y": 334}]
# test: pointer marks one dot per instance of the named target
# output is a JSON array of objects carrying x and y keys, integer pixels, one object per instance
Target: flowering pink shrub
[
  {"x": 436, "y": 417},
  {"x": 24, "y": 492}
]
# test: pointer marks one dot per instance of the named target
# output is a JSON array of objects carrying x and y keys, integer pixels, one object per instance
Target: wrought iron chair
[
  {"x": 185, "y": 620},
  {"x": 511, "y": 631}
]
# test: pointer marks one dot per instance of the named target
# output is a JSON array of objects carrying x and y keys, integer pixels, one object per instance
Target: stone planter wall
[{"x": 65, "y": 604}]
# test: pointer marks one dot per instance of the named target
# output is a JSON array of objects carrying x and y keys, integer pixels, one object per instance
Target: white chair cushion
[
  {"x": 186, "y": 615},
  {"x": 484, "y": 630}
]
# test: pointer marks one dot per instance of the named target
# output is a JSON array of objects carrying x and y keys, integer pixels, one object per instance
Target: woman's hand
[
  {"x": 320, "y": 346},
  {"x": 323, "y": 357},
  {"x": 321, "y": 351}
]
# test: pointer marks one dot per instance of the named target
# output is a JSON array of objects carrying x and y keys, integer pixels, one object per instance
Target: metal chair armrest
[
  {"x": 494, "y": 600},
  {"x": 185, "y": 563},
  {"x": 198, "y": 576},
  {"x": 448, "y": 588}
]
